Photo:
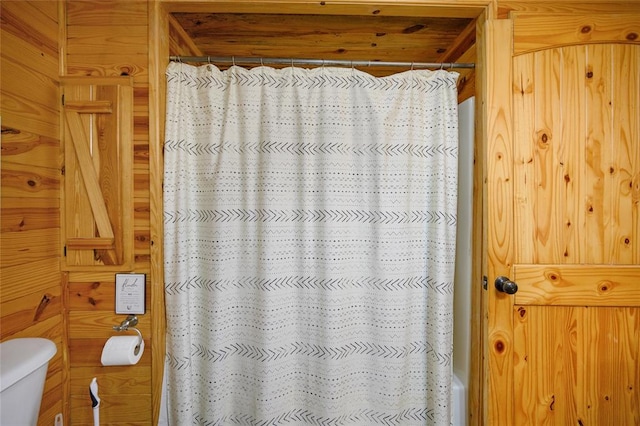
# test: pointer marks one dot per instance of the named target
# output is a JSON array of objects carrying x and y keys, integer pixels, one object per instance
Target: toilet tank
[{"x": 23, "y": 370}]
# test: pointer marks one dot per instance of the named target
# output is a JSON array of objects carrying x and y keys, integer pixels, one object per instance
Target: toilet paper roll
[{"x": 121, "y": 350}]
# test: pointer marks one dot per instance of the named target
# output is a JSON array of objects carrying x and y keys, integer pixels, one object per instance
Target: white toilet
[{"x": 23, "y": 370}]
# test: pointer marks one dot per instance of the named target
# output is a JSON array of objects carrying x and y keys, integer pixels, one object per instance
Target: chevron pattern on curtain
[{"x": 310, "y": 221}]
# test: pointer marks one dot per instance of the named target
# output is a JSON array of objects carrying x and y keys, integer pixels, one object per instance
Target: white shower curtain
[{"x": 310, "y": 220}]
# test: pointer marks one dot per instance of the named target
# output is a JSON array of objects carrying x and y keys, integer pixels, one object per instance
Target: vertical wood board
[
  {"x": 625, "y": 166},
  {"x": 500, "y": 210}
]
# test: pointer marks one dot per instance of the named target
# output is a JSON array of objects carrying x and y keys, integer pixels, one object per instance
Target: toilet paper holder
[{"x": 129, "y": 324}]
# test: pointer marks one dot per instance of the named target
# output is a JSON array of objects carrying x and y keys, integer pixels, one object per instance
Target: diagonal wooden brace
[{"x": 92, "y": 184}]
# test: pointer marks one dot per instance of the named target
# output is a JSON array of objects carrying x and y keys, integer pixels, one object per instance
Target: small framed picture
[{"x": 130, "y": 293}]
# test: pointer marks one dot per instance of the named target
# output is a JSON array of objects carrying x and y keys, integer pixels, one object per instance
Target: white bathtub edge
[{"x": 459, "y": 409}]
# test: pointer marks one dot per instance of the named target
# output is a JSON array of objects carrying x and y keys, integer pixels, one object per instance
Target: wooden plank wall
[
  {"x": 110, "y": 39},
  {"x": 31, "y": 300}
]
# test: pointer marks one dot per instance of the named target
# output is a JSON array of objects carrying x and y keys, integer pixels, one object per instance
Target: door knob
[{"x": 505, "y": 285}]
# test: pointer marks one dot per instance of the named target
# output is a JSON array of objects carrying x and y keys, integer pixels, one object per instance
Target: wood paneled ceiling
[{"x": 348, "y": 37}]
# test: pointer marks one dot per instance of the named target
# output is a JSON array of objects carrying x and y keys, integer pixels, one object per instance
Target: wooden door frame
[
  {"x": 159, "y": 10},
  {"x": 497, "y": 211}
]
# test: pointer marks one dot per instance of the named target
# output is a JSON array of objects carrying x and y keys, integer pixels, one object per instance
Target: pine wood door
[{"x": 563, "y": 209}]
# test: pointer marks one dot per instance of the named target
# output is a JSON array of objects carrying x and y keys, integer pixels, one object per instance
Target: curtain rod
[{"x": 318, "y": 62}]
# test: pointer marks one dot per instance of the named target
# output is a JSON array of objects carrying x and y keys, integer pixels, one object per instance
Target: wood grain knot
[
  {"x": 9, "y": 131},
  {"x": 522, "y": 312},
  {"x": 632, "y": 36},
  {"x": 375, "y": 12},
  {"x": 413, "y": 29},
  {"x": 586, "y": 29},
  {"x": 31, "y": 183},
  {"x": 544, "y": 138},
  {"x": 44, "y": 302},
  {"x": 604, "y": 286},
  {"x": 499, "y": 346},
  {"x": 589, "y": 74}
]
